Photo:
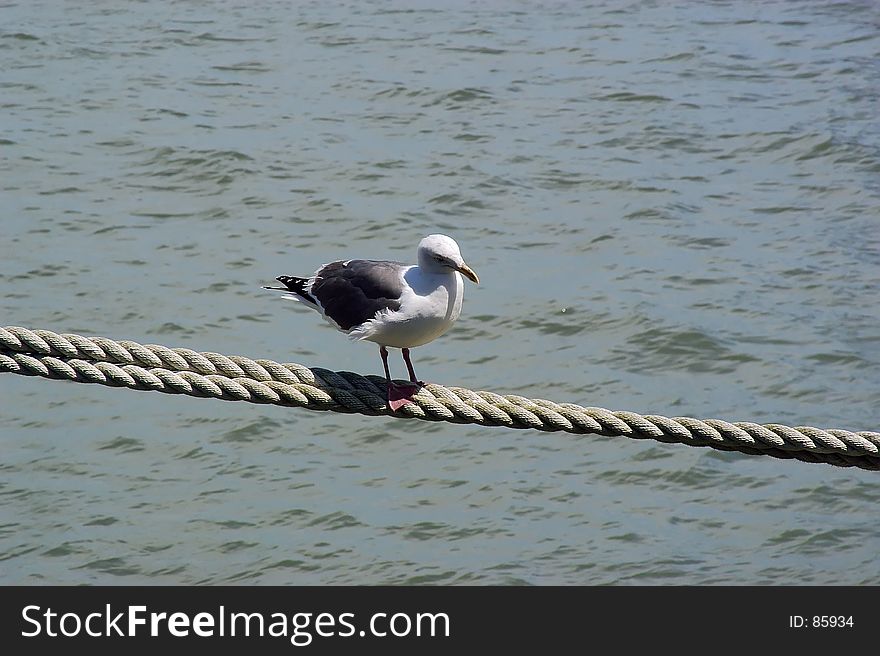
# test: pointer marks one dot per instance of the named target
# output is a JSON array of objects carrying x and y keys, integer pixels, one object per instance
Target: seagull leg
[
  {"x": 398, "y": 395},
  {"x": 412, "y": 372},
  {"x": 384, "y": 353}
]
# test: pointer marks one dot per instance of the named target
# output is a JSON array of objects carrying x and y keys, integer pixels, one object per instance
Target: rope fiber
[{"x": 137, "y": 366}]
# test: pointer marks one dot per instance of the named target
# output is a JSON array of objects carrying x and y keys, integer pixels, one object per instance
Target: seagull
[{"x": 393, "y": 304}]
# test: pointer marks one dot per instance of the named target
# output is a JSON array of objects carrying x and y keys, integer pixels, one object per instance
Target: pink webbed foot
[{"x": 400, "y": 395}]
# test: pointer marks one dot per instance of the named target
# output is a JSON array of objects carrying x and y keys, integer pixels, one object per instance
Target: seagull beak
[{"x": 468, "y": 273}]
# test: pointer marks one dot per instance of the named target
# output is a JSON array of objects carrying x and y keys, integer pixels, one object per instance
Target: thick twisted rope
[{"x": 235, "y": 378}]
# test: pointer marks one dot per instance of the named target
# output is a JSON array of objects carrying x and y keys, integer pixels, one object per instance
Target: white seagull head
[{"x": 438, "y": 253}]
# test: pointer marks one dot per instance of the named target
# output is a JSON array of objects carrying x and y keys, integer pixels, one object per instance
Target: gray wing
[{"x": 352, "y": 292}]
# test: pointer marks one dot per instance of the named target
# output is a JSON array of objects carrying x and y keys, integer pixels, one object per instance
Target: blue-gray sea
[{"x": 674, "y": 208}]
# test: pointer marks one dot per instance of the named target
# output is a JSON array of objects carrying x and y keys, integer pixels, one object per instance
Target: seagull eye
[{"x": 439, "y": 258}]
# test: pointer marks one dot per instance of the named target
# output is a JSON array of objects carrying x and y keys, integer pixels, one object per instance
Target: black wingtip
[
  {"x": 291, "y": 283},
  {"x": 296, "y": 286}
]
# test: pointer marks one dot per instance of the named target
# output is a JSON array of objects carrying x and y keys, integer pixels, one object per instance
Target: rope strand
[{"x": 235, "y": 378}]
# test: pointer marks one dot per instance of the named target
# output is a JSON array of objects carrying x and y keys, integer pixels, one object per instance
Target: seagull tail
[{"x": 298, "y": 287}]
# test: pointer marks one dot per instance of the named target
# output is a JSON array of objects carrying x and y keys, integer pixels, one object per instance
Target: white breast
[{"x": 429, "y": 306}]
